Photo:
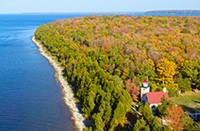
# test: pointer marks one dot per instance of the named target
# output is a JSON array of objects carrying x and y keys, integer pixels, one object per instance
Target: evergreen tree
[
  {"x": 163, "y": 107},
  {"x": 156, "y": 125},
  {"x": 141, "y": 125}
]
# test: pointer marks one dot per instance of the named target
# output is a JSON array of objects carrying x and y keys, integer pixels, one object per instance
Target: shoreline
[{"x": 67, "y": 91}]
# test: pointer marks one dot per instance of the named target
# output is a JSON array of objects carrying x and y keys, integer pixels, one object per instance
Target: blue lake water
[{"x": 30, "y": 96}]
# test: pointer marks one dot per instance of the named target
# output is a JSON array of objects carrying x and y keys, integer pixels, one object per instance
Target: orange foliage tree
[
  {"x": 174, "y": 117},
  {"x": 133, "y": 89}
]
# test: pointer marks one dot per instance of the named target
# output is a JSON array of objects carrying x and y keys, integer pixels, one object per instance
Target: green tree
[
  {"x": 163, "y": 107},
  {"x": 156, "y": 124},
  {"x": 167, "y": 128},
  {"x": 98, "y": 122},
  {"x": 190, "y": 69},
  {"x": 188, "y": 123},
  {"x": 184, "y": 84},
  {"x": 141, "y": 125},
  {"x": 147, "y": 113}
]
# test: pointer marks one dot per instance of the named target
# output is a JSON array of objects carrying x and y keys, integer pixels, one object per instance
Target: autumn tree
[
  {"x": 166, "y": 71},
  {"x": 102, "y": 58},
  {"x": 133, "y": 89},
  {"x": 174, "y": 117}
]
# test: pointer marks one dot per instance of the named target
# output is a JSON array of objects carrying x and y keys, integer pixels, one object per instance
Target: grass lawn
[{"x": 190, "y": 101}]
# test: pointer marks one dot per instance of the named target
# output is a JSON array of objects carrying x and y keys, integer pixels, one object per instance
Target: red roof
[
  {"x": 155, "y": 97},
  {"x": 145, "y": 80}
]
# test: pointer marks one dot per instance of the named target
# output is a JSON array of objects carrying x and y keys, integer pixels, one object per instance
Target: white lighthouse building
[
  {"x": 152, "y": 98},
  {"x": 144, "y": 90}
]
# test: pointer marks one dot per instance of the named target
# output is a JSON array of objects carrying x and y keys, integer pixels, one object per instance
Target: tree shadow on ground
[
  {"x": 198, "y": 102},
  {"x": 191, "y": 110}
]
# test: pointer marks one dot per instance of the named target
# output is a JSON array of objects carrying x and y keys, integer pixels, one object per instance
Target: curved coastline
[{"x": 67, "y": 91}]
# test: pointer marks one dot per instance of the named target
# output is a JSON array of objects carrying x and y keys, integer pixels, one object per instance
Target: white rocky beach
[{"x": 67, "y": 91}]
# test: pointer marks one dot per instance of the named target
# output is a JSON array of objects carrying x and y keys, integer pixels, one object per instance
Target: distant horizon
[{"x": 113, "y": 12}]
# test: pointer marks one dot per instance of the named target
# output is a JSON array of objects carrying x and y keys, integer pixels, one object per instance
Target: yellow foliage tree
[{"x": 166, "y": 71}]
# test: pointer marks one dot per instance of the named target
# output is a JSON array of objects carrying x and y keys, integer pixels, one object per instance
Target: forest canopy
[{"x": 105, "y": 59}]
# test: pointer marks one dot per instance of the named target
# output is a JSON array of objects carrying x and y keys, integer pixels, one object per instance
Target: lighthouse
[{"x": 144, "y": 89}]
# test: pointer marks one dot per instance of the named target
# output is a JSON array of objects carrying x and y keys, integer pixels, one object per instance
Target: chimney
[{"x": 164, "y": 89}]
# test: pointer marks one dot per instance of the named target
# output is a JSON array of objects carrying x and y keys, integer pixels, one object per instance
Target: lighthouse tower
[{"x": 144, "y": 89}]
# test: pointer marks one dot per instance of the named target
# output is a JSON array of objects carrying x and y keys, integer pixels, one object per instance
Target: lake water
[{"x": 30, "y": 96}]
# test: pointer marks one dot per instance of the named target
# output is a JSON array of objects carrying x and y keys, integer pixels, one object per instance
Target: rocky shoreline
[{"x": 67, "y": 91}]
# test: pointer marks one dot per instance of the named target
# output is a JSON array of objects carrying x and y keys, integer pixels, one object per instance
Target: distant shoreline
[
  {"x": 187, "y": 11},
  {"x": 67, "y": 91}
]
